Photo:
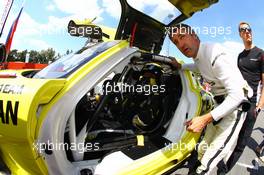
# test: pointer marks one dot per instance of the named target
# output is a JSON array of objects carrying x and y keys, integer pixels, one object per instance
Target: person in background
[
  {"x": 251, "y": 64},
  {"x": 224, "y": 122}
]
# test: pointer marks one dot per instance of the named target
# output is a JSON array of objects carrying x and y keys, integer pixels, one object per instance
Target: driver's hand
[
  {"x": 175, "y": 64},
  {"x": 197, "y": 124}
]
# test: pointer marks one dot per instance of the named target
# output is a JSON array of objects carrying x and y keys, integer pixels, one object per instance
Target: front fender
[{"x": 20, "y": 101}]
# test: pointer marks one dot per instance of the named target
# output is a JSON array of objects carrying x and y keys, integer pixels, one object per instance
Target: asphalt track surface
[{"x": 248, "y": 163}]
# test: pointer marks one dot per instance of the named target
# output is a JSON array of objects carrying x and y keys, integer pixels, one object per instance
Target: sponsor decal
[
  {"x": 11, "y": 89},
  {"x": 8, "y": 114}
]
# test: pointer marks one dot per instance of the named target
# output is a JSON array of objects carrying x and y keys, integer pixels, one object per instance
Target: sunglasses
[{"x": 244, "y": 29}]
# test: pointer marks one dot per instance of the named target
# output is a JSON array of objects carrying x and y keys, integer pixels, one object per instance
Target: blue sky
[{"x": 43, "y": 23}]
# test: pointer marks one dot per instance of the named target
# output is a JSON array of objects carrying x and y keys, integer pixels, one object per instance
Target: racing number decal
[{"x": 9, "y": 113}]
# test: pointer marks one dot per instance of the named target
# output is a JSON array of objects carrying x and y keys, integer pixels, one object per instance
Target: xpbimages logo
[
  {"x": 84, "y": 31},
  {"x": 49, "y": 146},
  {"x": 127, "y": 88},
  {"x": 212, "y": 31},
  {"x": 182, "y": 146}
]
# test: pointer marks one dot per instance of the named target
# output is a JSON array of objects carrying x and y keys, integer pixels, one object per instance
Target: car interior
[{"x": 139, "y": 100}]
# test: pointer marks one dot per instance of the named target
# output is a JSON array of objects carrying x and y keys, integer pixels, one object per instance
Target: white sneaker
[
  {"x": 261, "y": 158},
  {"x": 261, "y": 154}
]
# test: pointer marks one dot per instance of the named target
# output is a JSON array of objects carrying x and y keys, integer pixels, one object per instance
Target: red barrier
[{"x": 22, "y": 65}]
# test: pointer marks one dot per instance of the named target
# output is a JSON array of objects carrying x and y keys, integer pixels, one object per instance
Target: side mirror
[
  {"x": 2, "y": 53},
  {"x": 85, "y": 30}
]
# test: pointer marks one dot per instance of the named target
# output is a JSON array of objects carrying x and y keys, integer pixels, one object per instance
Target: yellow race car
[{"x": 113, "y": 107}]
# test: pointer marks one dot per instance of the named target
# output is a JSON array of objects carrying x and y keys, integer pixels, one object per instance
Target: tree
[
  {"x": 58, "y": 56},
  {"x": 33, "y": 55},
  {"x": 13, "y": 55},
  {"x": 43, "y": 56},
  {"x": 21, "y": 56},
  {"x": 50, "y": 55}
]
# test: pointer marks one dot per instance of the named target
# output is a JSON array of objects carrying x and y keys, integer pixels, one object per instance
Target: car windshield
[
  {"x": 161, "y": 10},
  {"x": 65, "y": 66}
]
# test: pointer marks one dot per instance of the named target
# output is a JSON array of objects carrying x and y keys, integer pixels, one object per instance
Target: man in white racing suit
[{"x": 229, "y": 88}]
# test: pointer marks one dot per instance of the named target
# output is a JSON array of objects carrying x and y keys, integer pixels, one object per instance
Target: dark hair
[{"x": 241, "y": 23}]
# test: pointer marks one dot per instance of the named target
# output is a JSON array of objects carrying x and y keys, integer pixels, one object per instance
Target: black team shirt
[{"x": 251, "y": 64}]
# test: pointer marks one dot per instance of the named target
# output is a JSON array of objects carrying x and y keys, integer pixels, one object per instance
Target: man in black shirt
[{"x": 251, "y": 64}]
